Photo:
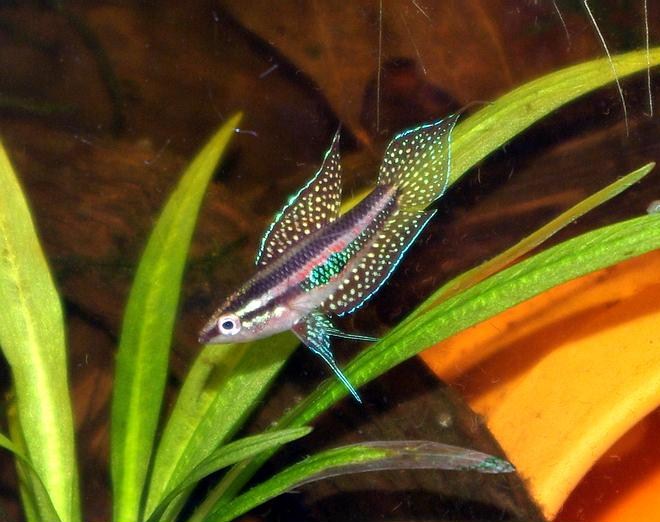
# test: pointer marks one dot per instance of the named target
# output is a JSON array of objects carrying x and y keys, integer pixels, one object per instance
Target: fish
[{"x": 314, "y": 263}]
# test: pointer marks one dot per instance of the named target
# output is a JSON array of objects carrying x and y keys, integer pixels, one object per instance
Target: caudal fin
[{"x": 418, "y": 163}]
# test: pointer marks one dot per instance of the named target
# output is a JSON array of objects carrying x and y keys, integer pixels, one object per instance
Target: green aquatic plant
[{"x": 153, "y": 471}]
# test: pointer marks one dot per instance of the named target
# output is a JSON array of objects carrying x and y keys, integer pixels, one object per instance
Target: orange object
[
  {"x": 624, "y": 485},
  {"x": 562, "y": 377}
]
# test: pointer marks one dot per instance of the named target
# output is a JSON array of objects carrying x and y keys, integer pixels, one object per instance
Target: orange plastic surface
[
  {"x": 565, "y": 375},
  {"x": 624, "y": 486}
]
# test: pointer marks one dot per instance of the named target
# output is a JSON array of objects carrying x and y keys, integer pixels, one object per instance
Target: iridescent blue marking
[{"x": 322, "y": 274}]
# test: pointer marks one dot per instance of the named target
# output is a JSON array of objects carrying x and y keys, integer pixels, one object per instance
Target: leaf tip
[
  {"x": 495, "y": 465},
  {"x": 235, "y": 119}
]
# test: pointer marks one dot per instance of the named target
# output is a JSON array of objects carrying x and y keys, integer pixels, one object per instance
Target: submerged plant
[{"x": 153, "y": 473}]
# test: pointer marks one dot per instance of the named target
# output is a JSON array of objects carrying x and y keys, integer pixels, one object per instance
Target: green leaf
[
  {"x": 574, "y": 258},
  {"x": 40, "y": 502},
  {"x": 226, "y": 456},
  {"x": 361, "y": 458},
  {"x": 494, "y": 265},
  {"x": 222, "y": 388},
  {"x": 472, "y": 140},
  {"x": 33, "y": 341},
  {"x": 488, "y": 129},
  {"x": 6, "y": 443},
  {"x": 480, "y": 134},
  {"x": 146, "y": 335},
  {"x": 28, "y": 489}
]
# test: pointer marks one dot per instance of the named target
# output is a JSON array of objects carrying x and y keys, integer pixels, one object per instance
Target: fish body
[{"x": 313, "y": 262}]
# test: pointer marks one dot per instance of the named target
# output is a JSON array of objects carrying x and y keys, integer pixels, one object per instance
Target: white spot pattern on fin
[
  {"x": 418, "y": 163},
  {"x": 383, "y": 256},
  {"x": 315, "y": 205}
]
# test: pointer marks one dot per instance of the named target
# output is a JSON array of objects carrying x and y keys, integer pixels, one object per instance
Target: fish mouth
[{"x": 207, "y": 334}]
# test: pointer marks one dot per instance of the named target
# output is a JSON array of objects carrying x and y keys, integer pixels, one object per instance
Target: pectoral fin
[
  {"x": 332, "y": 330},
  {"x": 314, "y": 333}
]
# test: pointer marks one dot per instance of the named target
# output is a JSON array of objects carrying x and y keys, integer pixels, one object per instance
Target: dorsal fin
[{"x": 315, "y": 205}]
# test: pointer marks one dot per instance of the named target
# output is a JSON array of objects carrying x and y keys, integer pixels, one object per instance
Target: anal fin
[{"x": 378, "y": 261}]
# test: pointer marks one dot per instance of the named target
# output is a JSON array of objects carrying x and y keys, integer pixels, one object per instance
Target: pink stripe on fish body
[{"x": 365, "y": 217}]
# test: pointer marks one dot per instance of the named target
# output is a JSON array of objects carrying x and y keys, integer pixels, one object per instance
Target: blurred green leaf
[
  {"x": 28, "y": 489},
  {"x": 226, "y": 456},
  {"x": 141, "y": 367},
  {"x": 33, "y": 341},
  {"x": 473, "y": 139},
  {"x": 6, "y": 443},
  {"x": 361, "y": 458},
  {"x": 41, "y": 503}
]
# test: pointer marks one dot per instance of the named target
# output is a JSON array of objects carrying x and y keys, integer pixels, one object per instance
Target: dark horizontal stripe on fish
[{"x": 314, "y": 250}]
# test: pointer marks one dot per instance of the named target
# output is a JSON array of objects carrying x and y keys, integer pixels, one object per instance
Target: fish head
[{"x": 237, "y": 324}]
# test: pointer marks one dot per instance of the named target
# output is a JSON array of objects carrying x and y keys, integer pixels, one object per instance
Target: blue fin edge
[{"x": 293, "y": 199}]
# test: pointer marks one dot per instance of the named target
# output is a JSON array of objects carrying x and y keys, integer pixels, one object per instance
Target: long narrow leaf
[
  {"x": 361, "y": 458},
  {"x": 494, "y": 125},
  {"x": 574, "y": 258},
  {"x": 41, "y": 503},
  {"x": 5, "y": 442},
  {"x": 473, "y": 139},
  {"x": 226, "y": 456},
  {"x": 476, "y": 137},
  {"x": 141, "y": 367},
  {"x": 27, "y": 488},
  {"x": 33, "y": 341},
  {"x": 526, "y": 245},
  {"x": 222, "y": 388}
]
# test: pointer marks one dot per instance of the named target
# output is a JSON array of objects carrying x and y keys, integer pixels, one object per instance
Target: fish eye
[{"x": 229, "y": 324}]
